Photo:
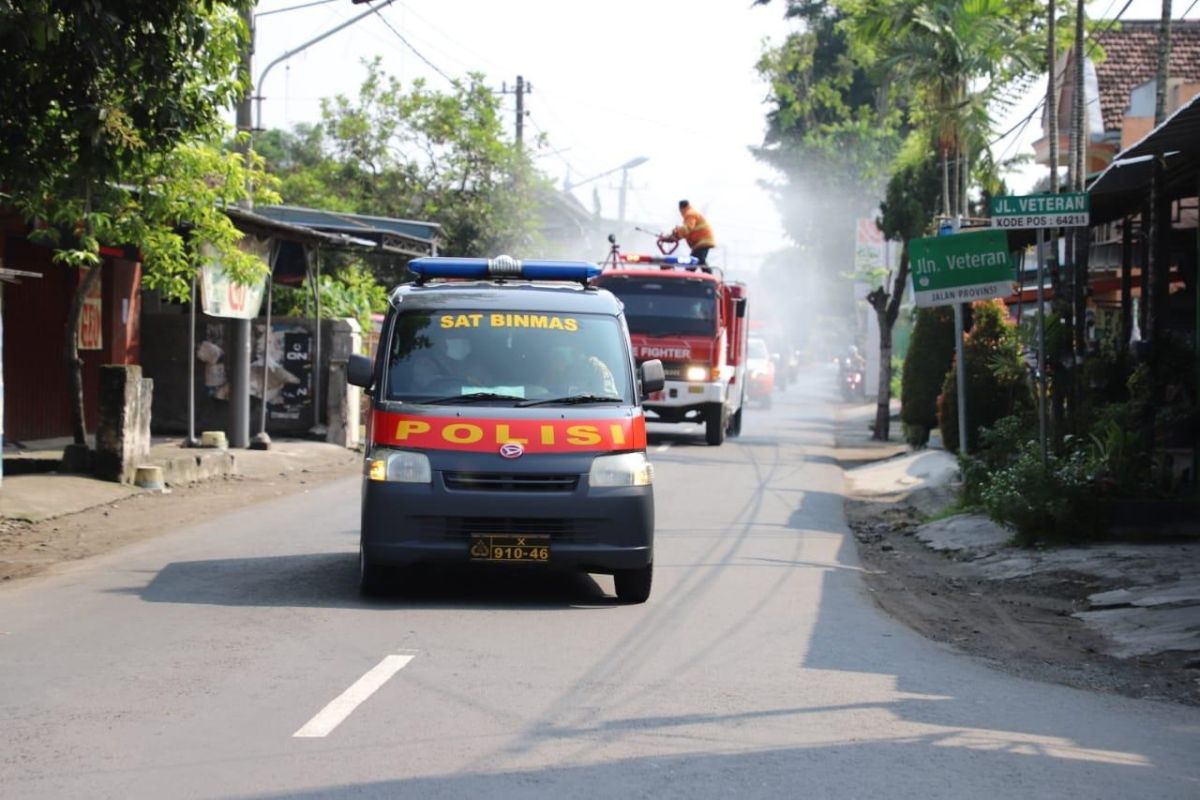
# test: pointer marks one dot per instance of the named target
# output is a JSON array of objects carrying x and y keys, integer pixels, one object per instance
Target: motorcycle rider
[{"x": 853, "y": 363}]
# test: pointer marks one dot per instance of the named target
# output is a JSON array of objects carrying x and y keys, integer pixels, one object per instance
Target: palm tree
[{"x": 954, "y": 58}]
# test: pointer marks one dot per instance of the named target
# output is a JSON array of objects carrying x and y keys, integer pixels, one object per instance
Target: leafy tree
[
  {"x": 110, "y": 112},
  {"x": 906, "y": 213},
  {"x": 418, "y": 154},
  {"x": 830, "y": 135},
  {"x": 353, "y": 292},
  {"x": 955, "y": 59}
]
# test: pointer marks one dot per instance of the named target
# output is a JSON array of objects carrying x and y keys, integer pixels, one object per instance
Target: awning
[
  {"x": 1122, "y": 188},
  {"x": 398, "y": 236}
]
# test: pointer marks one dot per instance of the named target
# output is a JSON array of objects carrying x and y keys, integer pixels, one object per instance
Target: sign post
[
  {"x": 970, "y": 266},
  {"x": 1020, "y": 212},
  {"x": 958, "y": 269},
  {"x": 1041, "y": 211}
]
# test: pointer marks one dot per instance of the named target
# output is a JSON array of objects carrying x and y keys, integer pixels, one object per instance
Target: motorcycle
[{"x": 851, "y": 381}]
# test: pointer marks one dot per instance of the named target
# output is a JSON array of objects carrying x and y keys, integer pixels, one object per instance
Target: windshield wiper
[
  {"x": 469, "y": 397},
  {"x": 573, "y": 399}
]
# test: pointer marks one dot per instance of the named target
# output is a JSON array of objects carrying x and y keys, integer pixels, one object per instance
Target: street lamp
[{"x": 568, "y": 185}]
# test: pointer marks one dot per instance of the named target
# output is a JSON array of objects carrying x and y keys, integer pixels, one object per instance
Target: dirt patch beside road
[
  {"x": 27, "y": 549},
  {"x": 1022, "y": 625}
]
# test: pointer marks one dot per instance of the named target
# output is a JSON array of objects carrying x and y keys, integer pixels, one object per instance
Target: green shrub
[
  {"x": 997, "y": 383},
  {"x": 352, "y": 292},
  {"x": 1053, "y": 501},
  {"x": 998, "y": 448},
  {"x": 1119, "y": 453},
  {"x": 930, "y": 353}
]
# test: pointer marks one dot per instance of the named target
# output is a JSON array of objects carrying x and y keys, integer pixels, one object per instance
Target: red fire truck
[{"x": 694, "y": 321}]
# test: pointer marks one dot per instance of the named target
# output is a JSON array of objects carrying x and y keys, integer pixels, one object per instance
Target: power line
[
  {"x": 561, "y": 157},
  {"x": 407, "y": 44},
  {"x": 293, "y": 8},
  {"x": 1094, "y": 39}
]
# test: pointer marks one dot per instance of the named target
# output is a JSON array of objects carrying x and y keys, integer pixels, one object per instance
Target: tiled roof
[{"x": 1131, "y": 59}]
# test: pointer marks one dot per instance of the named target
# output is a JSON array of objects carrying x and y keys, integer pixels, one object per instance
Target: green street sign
[
  {"x": 1014, "y": 212},
  {"x": 961, "y": 268}
]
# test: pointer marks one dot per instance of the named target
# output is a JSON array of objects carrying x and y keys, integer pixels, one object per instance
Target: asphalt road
[{"x": 235, "y": 659}]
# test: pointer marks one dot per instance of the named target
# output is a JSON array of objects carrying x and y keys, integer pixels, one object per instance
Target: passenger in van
[{"x": 569, "y": 371}]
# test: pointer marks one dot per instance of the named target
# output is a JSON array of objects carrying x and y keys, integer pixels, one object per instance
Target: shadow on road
[
  {"x": 934, "y": 765},
  {"x": 330, "y": 580}
]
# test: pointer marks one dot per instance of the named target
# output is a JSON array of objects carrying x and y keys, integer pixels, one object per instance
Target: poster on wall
[
  {"x": 289, "y": 372},
  {"x": 91, "y": 320}
]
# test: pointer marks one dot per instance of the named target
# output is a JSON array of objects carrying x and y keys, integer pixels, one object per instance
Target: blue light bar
[{"x": 503, "y": 267}]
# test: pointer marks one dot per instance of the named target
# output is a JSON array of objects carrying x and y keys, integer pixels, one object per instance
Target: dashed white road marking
[
  {"x": 344, "y": 704},
  {"x": 662, "y": 448}
]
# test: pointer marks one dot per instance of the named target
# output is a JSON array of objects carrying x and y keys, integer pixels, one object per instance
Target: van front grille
[
  {"x": 509, "y": 482},
  {"x": 462, "y": 528}
]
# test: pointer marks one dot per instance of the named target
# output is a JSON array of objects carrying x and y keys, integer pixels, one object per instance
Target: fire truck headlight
[
  {"x": 399, "y": 466},
  {"x": 696, "y": 373},
  {"x": 626, "y": 469}
]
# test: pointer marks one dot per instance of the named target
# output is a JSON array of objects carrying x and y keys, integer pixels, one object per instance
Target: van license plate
[{"x": 485, "y": 547}]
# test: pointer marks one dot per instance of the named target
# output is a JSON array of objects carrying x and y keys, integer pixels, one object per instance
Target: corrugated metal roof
[
  {"x": 355, "y": 224},
  {"x": 1122, "y": 186},
  {"x": 1179, "y": 132}
]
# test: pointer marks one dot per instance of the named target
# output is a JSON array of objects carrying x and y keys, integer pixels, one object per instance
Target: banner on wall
[{"x": 221, "y": 296}]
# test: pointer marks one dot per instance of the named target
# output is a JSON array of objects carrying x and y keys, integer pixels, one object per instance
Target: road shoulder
[
  {"x": 29, "y": 548},
  {"x": 1014, "y": 608}
]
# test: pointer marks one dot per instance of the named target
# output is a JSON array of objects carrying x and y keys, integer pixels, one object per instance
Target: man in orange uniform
[{"x": 695, "y": 230}]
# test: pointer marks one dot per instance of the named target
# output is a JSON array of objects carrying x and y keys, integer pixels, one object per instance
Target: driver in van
[{"x": 444, "y": 361}]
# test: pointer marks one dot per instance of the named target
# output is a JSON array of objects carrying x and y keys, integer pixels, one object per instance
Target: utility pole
[
  {"x": 239, "y": 379},
  {"x": 520, "y": 91}
]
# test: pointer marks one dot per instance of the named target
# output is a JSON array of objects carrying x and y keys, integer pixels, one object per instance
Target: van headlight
[
  {"x": 626, "y": 469},
  {"x": 399, "y": 466}
]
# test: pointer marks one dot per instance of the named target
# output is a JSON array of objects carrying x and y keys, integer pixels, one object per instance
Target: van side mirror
[
  {"x": 741, "y": 307},
  {"x": 360, "y": 371},
  {"x": 653, "y": 377}
]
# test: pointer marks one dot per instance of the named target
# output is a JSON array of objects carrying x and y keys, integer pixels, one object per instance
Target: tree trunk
[
  {"x": 883, "y": 408},
  {"x": 964, "y": 182},
  {"x": 1079, "y": 134},
  {"x": 946, "y": 183},
  {"x": 1126, "y": 284},
  {"x": 1052, "y": 98},
  {"x": 71, "y": 358},
  {"x": 1164, "y": 59},
  {"x": 887, "y": 309}
]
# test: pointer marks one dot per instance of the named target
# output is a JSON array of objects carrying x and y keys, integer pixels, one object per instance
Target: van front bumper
[{"x": 597, "y": 530}]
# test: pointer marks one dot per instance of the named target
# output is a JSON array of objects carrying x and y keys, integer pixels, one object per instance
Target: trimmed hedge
[{"x": 930, "y": 354}]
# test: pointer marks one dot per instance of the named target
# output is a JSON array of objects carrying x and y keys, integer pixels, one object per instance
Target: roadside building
[{"x": 124, "y": 324}]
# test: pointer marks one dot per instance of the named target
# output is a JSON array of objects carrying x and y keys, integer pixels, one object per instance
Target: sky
[{"x": 671, "y": 81}]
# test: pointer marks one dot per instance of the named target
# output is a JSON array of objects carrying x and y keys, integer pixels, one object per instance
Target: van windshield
[
  {"x": 507, "y": 357},
  {"x": 667, "y": 306}
]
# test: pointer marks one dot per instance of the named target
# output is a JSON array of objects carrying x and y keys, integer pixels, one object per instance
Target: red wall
[{"x": 35, "y": 317}]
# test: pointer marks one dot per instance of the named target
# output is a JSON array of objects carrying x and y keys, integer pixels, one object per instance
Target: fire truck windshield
[
  {"x": 506, "y": 357},
  {"x": 669, "y": 307}
]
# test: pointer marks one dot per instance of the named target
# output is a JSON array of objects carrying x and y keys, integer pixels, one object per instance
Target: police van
[{"x": 506, "y": 426}]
